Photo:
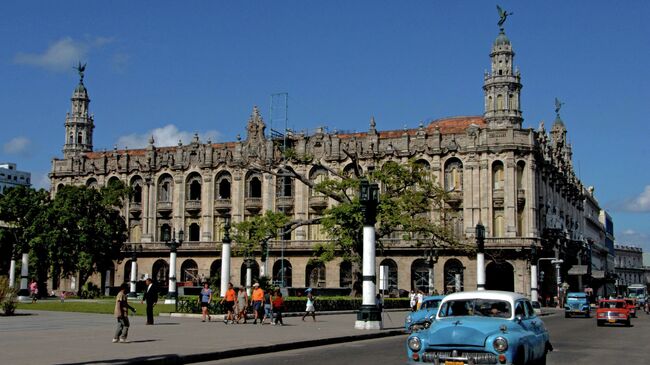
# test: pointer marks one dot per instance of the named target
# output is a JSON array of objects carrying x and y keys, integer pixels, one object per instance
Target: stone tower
[
  {"x": 78, "y": 123},
  {"x": 502, "y": 87}
]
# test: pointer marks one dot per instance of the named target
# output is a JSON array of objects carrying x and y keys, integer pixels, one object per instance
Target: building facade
[
  {"x": 629, "y": 267},
  {"x": 518, "y": 182},
  {"x": 10, "y": 177}
]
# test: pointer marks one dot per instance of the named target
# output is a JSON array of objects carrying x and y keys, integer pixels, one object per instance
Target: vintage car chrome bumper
[{"x": 471, "y": 358}]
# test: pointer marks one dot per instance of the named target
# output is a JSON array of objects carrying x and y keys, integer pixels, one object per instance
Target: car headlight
[
  {"x": 500, "y": 344},
  {"x": 408, "y": 319},
  {"x": 414, "y": 343}
]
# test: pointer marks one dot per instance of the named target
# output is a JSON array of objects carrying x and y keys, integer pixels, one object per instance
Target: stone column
[
  {"x": 171, "y": 295},
  {"x": 225, "y": 268},
  {"x": 134, "y": 277},
  {"x": 12, "y": 272},
  {"x": 23, "y": 293},
  {"x": 207, "y": 208}
]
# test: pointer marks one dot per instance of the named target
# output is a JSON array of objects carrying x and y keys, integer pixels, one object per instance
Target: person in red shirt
[
  {"x": 278, "y": 307},
  {"x": 257, "y": 298},
  {"x": 229, "y": 303}
]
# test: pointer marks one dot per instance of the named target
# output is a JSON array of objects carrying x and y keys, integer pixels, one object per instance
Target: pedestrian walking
[
  {"x": 242, "y": 304},
  {"x": 268, "y": 308},
  {"x": 33, "y": 290},
  {"x": 278, "y": 307},
  {"x": 413, "y": 300},
  {"x": 121, "y": 312},
  {"x": 257, "y": 299},
  {"x": 420, "y": 300},
  {"x": 310, "y": 308},
  {"x": 151, "y": 298},
  {"x": 228, "y": 302},
  {"x": 205, "y": 298}
]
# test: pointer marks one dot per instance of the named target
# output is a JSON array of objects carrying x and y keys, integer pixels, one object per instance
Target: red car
[
  {"x": 612, "y": 311},
  {"x": 631, "y": 305}
]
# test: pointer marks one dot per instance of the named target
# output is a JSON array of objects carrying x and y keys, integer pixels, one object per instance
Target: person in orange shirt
[
  {"x": 229, "y": 303},
  {"x": 257, "y": 298}
]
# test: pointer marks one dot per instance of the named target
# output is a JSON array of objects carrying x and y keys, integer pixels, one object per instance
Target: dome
[
  {"x": 502, "y": 40},
  {"x": 80, "y": 91},
  {"x": 558, "y": 123}
]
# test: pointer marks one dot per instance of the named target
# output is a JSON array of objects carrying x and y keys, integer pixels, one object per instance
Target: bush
[
  {"x": 90, "y": 291},
  {"x": 7, "y": 297}
]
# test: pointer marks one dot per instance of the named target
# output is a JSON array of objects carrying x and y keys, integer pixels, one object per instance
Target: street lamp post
[
  {"x": 134, "y": 269},
  {"x": 369, "y": 316},
  {"x": 173, "y": 246},
  {"x": 534, "y": 295},
  {"x": 480, "y": 256},
  {"x": 225, "y": 258}
]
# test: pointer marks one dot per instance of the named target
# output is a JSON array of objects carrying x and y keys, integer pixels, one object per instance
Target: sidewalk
[{"x": 41, "y": 337}]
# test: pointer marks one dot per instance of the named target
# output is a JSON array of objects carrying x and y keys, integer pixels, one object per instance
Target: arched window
[
  {"x": 282, "y": 272},
  {"x": 420, "y": 275},
  {"x": 71, "y": 139},
  {"x": 194, "y": 187},
  {"x": 160, "y": 272},
  {"x": 345, "y": 274},
  {"x": 498, "y": 176},
  {"x": 284, "y": 183},
  {"x": 315, "y": 275},
  {"x": 195, "y": 232},
  {"x": 255, "y": 272},
  {"x": 254, "y": 185},
  {"x": 223, "y": 185},
  {"x": 500, "y": 99},
  {"x": 190, "y": 272},
  {"x": 454, "y": 276},
  {"x": 498, "y": 224},
  {"x": 392, "y": 273},
  {"x": 92, "y": 183},
  {"x": 453, "y": 175},
  {"x": 165, "y": 231},
  {"x": 165, "y": 184},
  {"x": 215, "y": 270},
  {"x": 80, "y": 138},
  {"x": 521, "y": 165},
  {"x": 317, "y": 176},
  {"x": 499, "y": 276}
]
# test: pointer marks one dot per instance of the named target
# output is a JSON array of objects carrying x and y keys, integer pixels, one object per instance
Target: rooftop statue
[
  {"x": 558, "y": 106},
  {"x": 503, "y": 15},
  {"x": 80, "y": 68}
]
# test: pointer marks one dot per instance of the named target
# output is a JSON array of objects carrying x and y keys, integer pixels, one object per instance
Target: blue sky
[{"x": 176, "y": 68}]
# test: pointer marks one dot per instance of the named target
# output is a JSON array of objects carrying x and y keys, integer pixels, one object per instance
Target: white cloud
[
  {"x": 62, "y": 54},
  {"x": 40, "y": 180},
  {"x": 640, "y": 203},
  {"x": 168, "y": 135},
  {"x": 630, "y": 237},
  {"x": 17, "y": 146}
]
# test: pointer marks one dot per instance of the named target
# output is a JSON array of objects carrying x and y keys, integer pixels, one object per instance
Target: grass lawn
[{"x": 105, "y": 306}]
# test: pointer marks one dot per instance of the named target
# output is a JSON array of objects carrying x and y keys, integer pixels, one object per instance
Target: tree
[
  {"x": 20, "y": 209},
  {"x": 85, "y": 231},
  {"x": 411, "y": 206}
]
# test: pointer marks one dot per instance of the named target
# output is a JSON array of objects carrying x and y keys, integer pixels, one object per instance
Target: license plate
[
  {"x": 612, "y": 321},
  {"x": 454, "y": 363}
]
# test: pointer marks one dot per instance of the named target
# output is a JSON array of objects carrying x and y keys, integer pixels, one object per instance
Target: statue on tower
[
  {"x": 558, "y": 106},
  {"x": 80, "y": 69},
  {"x": 503, "y": 15}
]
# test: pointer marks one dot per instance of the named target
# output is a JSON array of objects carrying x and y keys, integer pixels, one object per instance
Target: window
[
  {"x": 498, "y": 175},
  {"x": 453, "y": 175}
]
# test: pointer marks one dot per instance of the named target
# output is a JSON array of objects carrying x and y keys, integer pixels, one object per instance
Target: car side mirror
[{"x": 519, "y": 318}]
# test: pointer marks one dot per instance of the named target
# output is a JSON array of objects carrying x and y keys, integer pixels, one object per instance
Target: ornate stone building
[{"x": 519, "y": 182}]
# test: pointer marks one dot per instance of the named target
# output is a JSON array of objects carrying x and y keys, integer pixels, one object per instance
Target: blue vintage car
[
  {"x": 422, "y": 318},
  {"x": 577, "y": 304},
  {"x": 482, "y": 327}
]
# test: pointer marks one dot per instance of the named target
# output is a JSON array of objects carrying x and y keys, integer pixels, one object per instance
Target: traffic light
[{"x": 541, "y": 276}]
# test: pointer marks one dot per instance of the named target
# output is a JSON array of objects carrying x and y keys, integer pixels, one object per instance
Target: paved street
[
  {"x": 577, "y": 341},
  {"x": 64, "y": 338}
]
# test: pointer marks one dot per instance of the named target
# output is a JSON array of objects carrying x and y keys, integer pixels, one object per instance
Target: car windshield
[
  {"x": 476, "y": 307},
  {"x": 612, "y": 304},
  {"x": 431, "y": 304}
]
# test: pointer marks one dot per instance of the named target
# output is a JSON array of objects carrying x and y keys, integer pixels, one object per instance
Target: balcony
[
  {"x": 253, "y": 204},
  {"x": 164, "y": 206},
  {"x": 521, "y": 197},
  {"x": 454, "y": 198},
  {"x": 318, "y": 202},
  {"x": 222, "y": 205},
  {"x": 284, "y": 201},
  {"x": 192, "y": 205},
  {"x": 497, "y": 198}
]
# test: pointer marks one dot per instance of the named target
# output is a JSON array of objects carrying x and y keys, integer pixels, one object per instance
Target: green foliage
[
  {"x": 90, "y": 291},
  {"x": 7, "y": 297},
  {"x": 251, "y": 234}
]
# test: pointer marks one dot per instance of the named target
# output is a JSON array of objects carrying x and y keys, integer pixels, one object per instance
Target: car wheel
[
  {"x": 542, "y": 360},
  {"x": 566, "y": 315},
  {"x": 587, "y": 315},
  {"x": 519, "y": 358},
  {"x": 600, "y": 323},
  {"x": 627, "y": 323}
]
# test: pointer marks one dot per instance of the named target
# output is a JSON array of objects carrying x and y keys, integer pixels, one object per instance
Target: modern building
[
  {"x": 518, "y": 181},
  {"x": 629, "y": 267},
  {"x": 10, "y": 176}
]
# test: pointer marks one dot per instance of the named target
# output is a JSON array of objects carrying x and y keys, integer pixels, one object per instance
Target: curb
[{"x": 175, "y": 359}]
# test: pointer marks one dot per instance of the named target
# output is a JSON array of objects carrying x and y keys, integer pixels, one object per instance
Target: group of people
[
  {"x": 416, "y": 299},
  {"x": 265, "y": 306}
]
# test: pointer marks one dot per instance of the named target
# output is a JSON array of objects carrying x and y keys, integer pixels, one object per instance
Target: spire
[
  {"x": 502, "y": 86},
  {"x": 79, "y": 124}
]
